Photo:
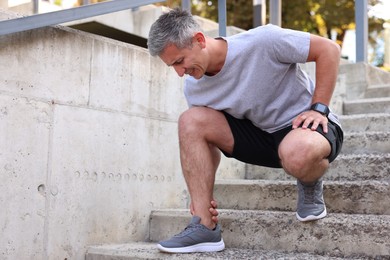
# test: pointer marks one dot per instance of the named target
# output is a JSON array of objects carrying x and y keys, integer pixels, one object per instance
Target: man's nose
[{"x": 180, "y": 70}]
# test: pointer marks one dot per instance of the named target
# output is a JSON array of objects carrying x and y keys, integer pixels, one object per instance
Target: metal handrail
[
  {"x": 67, "y": 15},
  {"x": 77, "y": 13}
]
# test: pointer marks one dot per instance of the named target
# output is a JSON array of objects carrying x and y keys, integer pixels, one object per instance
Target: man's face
[{"x": 185, "y": 61}]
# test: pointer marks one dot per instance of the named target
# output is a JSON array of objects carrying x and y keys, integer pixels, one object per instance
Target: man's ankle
[
  {"x": 209, "y": 224},
  {"x": 309, "y": 183}
]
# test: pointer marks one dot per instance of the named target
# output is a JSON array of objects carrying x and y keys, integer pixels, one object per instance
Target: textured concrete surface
[
  {"x": 372, "y": 122},
  {"x": 357, "y": 78},
  {"x": 89, "y": 139},
  {"x": 362, "y": 106},
  {"x": 359, "y": 167},
  {"x": 338, "y": 234},
  {"x": 25, "y": 134},
  {"x": 106, "y": 193},
  {"x": 369, "y": 142},
  {"x": 27, "y": 60},
  {"x": 358, "y": 197},
  {"x": 144, "y": 250},
  {"x": 377, "y": 91},
  {"x": 346, "y": 167}
]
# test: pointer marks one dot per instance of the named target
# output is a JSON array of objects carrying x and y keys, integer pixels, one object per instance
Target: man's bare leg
[
  {"x": 303, "y": 154},
  {"x": 201, "y": 131}
]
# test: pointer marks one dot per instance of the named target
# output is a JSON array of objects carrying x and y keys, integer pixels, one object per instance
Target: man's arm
[{"x": 326, "y": 54}]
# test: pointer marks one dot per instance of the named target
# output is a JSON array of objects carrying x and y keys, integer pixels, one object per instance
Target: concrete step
[
  {"x": 368, "y": 105},
  {"x": 341, "y": 235},
  {"x": 377, "y": 91},
  {"x": 361, "y": 197},
  {"x": 366, "y": 142},
  {"x": 360, "y": 167},
  {"x": 365, "y": 122},
  {"x": 346, "y": 167},
  {"x": 148, "y": 250}
]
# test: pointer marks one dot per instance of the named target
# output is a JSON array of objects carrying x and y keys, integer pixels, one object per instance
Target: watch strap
[{"x": 320, "y": 108}]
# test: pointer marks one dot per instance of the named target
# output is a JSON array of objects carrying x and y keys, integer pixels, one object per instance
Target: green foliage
[
  {"x": 319, "y": 16},
  {"x": 322, "y": 16}
]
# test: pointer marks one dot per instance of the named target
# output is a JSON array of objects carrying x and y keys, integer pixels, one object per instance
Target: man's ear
[{"x": 200, "y": 39}]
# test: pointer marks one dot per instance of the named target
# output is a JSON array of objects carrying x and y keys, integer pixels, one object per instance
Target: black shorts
[{"x": 255, "y": 146}]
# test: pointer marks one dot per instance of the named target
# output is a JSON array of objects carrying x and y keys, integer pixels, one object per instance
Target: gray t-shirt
[{"x": 260, "y": 80}]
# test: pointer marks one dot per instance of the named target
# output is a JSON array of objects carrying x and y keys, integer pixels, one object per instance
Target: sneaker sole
[
  {"x": 202, "y": 247},
  {"x": 311, "y": 217}
]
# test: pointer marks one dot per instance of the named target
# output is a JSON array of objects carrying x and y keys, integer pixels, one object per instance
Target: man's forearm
[{"x": 326, "y": 54}]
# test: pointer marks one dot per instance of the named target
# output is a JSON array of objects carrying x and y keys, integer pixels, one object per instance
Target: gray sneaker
[
  {"x": 195, "y": 238},
  {"x": 311, "y": 205}
]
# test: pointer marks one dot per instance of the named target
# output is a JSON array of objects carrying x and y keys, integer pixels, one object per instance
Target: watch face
[{"x": 321, "y": 107}]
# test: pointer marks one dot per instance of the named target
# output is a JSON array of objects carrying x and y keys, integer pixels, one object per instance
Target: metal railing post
[
  {"x": 186, "y": 5},
  {"x": 222, "y": 17},
  {"x": 361, "y": 20},
  {"x": 259, "y": 12},
  {"x": 35, "y": 6},
  {"x": 275, "y": 10}
]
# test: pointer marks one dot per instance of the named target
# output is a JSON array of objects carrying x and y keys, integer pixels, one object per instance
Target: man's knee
[
  {"x": 294, "y": 156},
  {"x": 192, "y": 119},
  {"x": 202, "y": 123},
  {"x": 301, "y": 149},
  {"x": 197, "y": 121}
]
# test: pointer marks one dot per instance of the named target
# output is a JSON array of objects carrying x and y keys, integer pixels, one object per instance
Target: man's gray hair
[{"x": 174, "y": 27}]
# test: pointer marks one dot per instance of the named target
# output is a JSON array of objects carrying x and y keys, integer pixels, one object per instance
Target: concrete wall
[
  {"x": 139, "y": 21},
  {"x": 84, "y": 137},
  {"x": 88, "y": 137}
]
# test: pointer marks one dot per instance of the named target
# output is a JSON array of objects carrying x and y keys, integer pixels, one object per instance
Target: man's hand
[
  {"x": 214, "y": 212},
  {"x": 212, "y": 209},
  {"x": 311, "y": 117}
]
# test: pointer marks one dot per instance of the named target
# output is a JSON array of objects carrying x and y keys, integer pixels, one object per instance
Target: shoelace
[{"x": 189, "y": 229}]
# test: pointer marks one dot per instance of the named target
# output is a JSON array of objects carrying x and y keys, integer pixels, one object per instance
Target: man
[{"x": 249, "y": 99}]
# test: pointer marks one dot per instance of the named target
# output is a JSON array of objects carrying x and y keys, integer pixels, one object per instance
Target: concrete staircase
[{"x": 258, "y": 213}]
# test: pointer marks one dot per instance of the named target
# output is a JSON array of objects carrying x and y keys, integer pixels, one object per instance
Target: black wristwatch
[{"x": 320, "y": 108}]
